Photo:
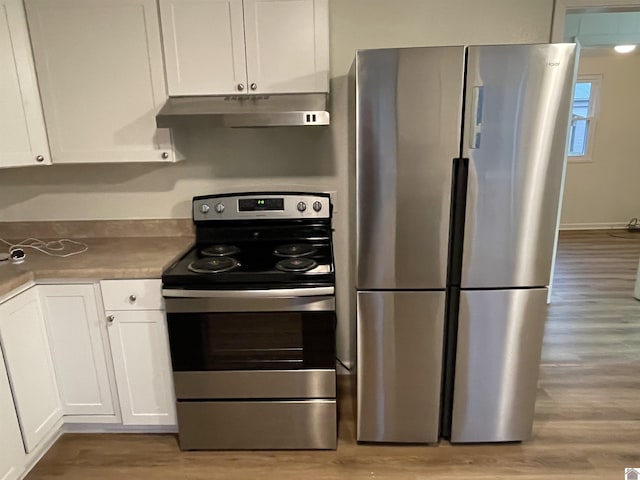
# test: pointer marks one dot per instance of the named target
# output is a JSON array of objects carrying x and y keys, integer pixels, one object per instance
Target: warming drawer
[{"x": 255, "y": 425}]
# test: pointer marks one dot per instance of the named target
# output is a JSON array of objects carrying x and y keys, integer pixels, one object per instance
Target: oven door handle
[
  {"x": 323, "y": 303},
  {"x": 271, "y": 293}
]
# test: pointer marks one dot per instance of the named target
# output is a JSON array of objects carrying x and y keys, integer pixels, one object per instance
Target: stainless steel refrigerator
[{"x": 459, "y": 158}]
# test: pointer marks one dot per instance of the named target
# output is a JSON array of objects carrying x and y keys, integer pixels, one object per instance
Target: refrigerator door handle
[
  {"x": 477, "y": 99},
  {"x": 459, "y": 181}
]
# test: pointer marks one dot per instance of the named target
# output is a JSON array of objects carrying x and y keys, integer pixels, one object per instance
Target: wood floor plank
[{"x": 587, "y": 423}]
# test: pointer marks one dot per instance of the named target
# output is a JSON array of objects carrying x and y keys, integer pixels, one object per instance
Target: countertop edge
[{"x": 92, "y": 270}]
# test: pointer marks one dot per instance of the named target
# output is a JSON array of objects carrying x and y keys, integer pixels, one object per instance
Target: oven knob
[
  {"x": 302, "y": 206},
  {"x": 220, "y": 207},
  {"x": 204, "y": 208},
  {"x": 317, "y": 206}
]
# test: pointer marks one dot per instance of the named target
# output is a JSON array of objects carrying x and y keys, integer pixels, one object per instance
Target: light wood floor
[{"x": 587, "y": 422}]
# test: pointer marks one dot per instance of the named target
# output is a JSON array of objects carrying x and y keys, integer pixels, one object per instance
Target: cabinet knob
[
  {"x": 40, "y": 158},
  {"x": 240, "y": 87},
  {"x": 132, "y": 298},
  {"x": 165, "y": 155},
  {"x": 254, "y": 86},
  {"x": 110, "y": 319}
]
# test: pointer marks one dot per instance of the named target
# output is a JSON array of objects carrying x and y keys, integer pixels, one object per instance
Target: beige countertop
[{"x": 106, "y": 258}]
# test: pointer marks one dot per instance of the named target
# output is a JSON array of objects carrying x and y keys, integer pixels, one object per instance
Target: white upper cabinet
[
  {"x": 31, "y": 372},
  {"x": 203, "y": 46},
  {"x": 23, "y": 138},
  {"x": 287, "y": 45},
  {"x": 246, "y": 46},
  {"x": 100, "y": 68}
]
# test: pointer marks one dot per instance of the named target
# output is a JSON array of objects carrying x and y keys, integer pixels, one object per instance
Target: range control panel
[{"x": 247, "y": 206}]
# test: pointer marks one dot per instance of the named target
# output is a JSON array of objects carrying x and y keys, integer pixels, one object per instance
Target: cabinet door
[
  {"x": 142, "y": 364},
  {"x": 30, "y": 367},
  {"x": 101, "y": 75},
  {"x": 75, "y": 328},
  {"x": 23, "y": 138},
  {"x": 13, "y": 456},
  {"x": 203, "y": 46},
  {"x": 287, "y": 45}
]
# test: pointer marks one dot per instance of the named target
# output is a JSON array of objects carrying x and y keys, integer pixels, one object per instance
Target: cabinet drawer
[{"x": 132, "y": 294}]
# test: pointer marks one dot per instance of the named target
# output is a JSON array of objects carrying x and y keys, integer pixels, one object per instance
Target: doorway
[{"x": 600, "y": 190}]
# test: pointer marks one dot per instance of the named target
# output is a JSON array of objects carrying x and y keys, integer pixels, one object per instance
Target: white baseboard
[
  {"x": 113, "y": 428},
  {"x": 593, "y": 226},
  {"x": 91, "y": 419}
]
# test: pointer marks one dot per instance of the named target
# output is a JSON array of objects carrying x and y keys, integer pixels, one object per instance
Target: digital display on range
[{"x": 260, "y": 204}]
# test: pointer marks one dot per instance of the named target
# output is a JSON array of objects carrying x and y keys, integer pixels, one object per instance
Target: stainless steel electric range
[{"x": 251, "y": 317}]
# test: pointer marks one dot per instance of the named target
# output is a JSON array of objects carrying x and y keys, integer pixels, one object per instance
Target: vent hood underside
[{"x": 245, "y": 111}]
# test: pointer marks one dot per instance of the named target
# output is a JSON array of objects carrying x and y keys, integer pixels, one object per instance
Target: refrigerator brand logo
[{"x": 553, "y": 64}]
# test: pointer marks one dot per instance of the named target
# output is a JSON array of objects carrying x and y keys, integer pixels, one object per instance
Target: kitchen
[
  {"x": 301, "y": 159},
  {"x": 307, "y": 159}
]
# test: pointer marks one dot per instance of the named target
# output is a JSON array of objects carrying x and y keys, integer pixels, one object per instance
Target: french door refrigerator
[{"x": 460, "y": 155}]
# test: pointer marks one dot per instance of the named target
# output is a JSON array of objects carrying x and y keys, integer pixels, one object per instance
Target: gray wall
[{"x": 313, "y": 159}]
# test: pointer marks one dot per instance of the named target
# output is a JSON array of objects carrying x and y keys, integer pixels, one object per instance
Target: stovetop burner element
[
  {"x": 220, "y": 250},
  {"x": 296, "y": 264},
  {"x": 214, "y": 265},
  {"x": 294, "y": 250}
]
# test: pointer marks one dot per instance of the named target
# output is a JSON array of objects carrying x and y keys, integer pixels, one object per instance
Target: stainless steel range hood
[{"x": 281, "y": 110}]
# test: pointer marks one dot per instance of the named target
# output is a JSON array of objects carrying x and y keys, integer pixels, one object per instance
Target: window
[{"x": 583, "y": 123}]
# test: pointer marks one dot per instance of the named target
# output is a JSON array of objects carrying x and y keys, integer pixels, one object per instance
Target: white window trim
[{"x": 596, "y": 92}]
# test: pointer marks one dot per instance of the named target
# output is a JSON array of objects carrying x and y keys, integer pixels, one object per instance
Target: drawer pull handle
[
  {"x": 110, "y": 319},
  {"x": 132, "y": 298}
]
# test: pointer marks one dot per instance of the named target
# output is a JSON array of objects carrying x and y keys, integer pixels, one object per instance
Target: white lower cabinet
[
  {"x": 140, "y": 351},
  {"x": 142, "y": 365},
  {"x": 60, "y": 356},
  {"x": 12, "y": 454},
  {"x": 30, "y": 367},
  {"x": 77, "y": 335}
]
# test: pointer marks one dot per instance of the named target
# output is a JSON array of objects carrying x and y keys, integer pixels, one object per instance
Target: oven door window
[{"x": 252, "y": 341}]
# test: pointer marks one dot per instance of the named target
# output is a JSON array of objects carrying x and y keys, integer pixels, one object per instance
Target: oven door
[{"x": 252, "y": 344}]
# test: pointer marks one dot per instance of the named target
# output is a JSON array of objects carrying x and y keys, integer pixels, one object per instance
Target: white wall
[
  {"x": 226, "y": 160},
  {"x": 605, "y": 192}
]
